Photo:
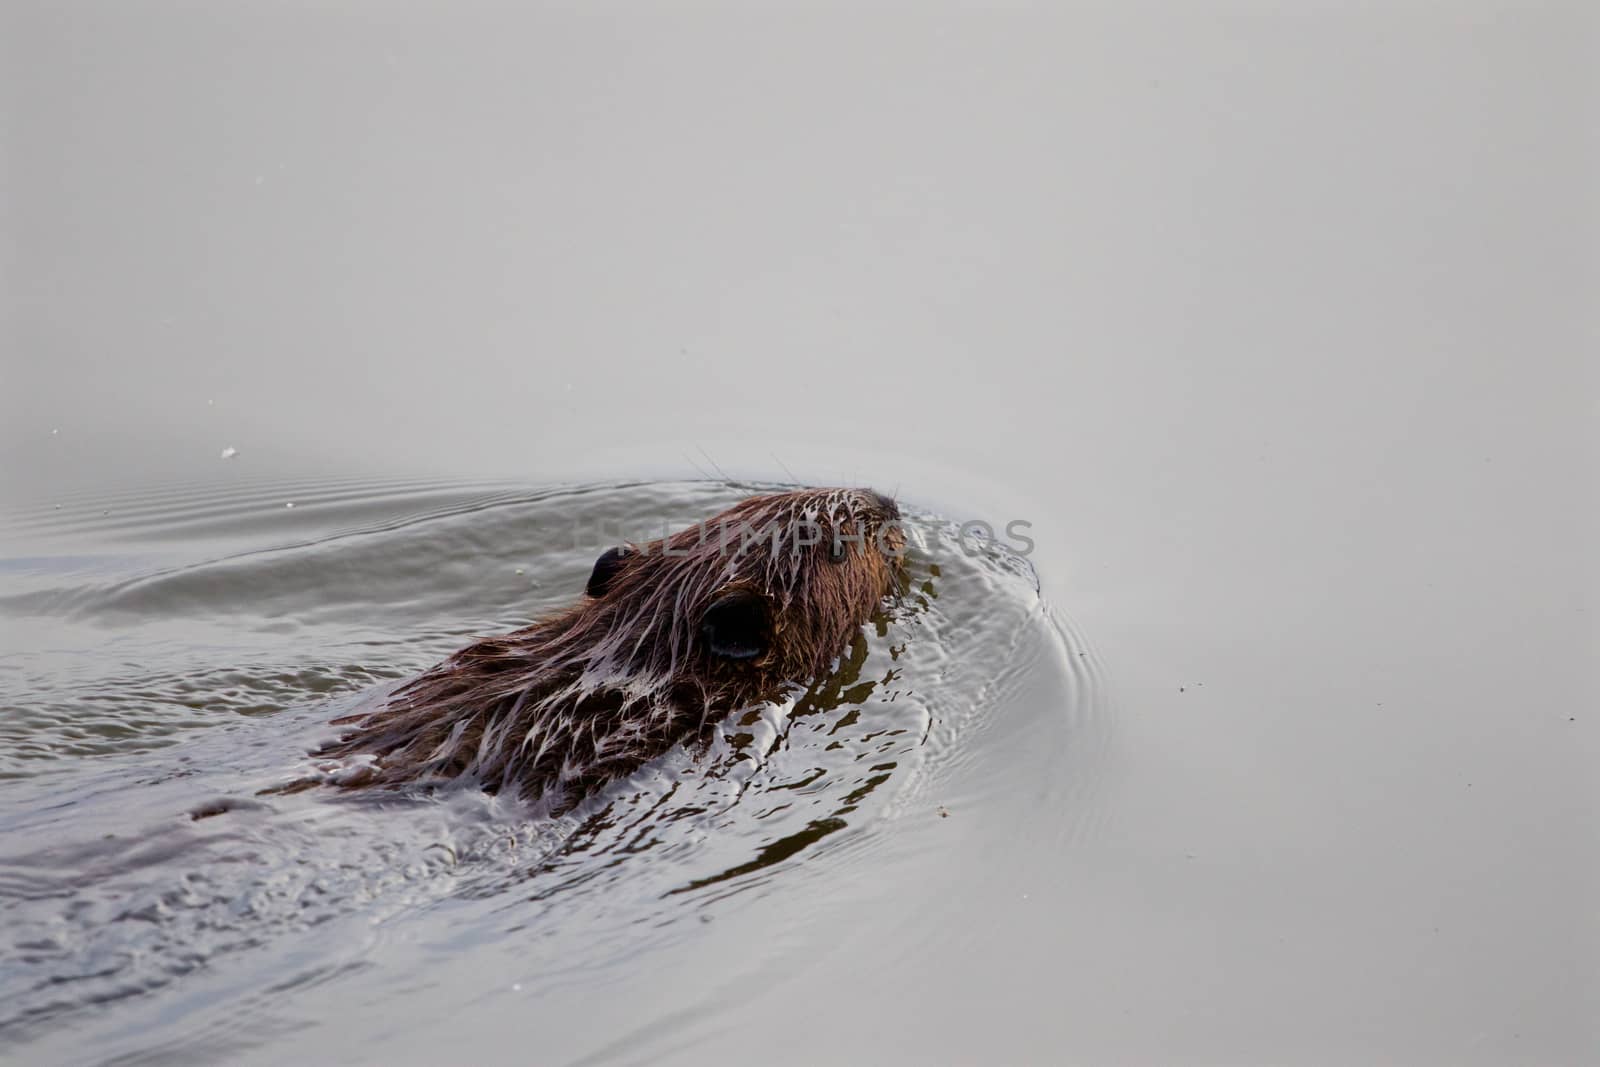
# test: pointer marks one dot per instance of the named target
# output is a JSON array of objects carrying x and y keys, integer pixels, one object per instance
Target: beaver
[{"x": 669, "y": 637}]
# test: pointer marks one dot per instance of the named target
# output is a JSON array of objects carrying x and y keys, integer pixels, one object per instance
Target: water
[
  {"x": 1276, "y": 325},
  {"x": 156, "y": 907}
]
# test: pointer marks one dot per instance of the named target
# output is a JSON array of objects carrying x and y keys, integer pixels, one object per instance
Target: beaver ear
[
  {"x": 605, "y": 569},
  {"x": 736, "y": 626}
]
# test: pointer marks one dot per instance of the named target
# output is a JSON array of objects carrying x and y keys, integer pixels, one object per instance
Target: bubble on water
[
  {"x": 288, "y": 503},
  {"x": 229, "y": 452}
]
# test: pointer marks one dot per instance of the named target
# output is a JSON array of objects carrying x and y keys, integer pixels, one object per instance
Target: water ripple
[{"x": 150, "y": 695}]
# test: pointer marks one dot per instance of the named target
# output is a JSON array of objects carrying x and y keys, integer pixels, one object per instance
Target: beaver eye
[
  {"x": 737, "y": 626},
  {"x": 836, "y": 550}
]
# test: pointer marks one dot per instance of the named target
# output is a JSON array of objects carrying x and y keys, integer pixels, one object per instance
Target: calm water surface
[{"x": 1275, "y": 320}]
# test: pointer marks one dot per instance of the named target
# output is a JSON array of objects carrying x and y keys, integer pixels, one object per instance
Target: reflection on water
[{"x": 150, "y": 904}]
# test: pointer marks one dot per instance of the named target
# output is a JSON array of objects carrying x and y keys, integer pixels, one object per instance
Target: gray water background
[{"x": 1277, "y": 322}]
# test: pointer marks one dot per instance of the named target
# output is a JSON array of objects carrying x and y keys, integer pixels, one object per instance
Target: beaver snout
[{"x": 885, "y": 503}]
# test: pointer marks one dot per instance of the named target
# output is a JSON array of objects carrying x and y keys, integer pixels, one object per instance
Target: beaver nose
[{"x": 885, "y": 503}]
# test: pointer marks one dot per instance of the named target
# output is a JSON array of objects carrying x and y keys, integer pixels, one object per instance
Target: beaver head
[
  {"x": 774, "y": 586},
  {"x": 669, "y": 636}
]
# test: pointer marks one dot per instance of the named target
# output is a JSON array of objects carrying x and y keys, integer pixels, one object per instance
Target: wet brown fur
[{"x": 589, "y": 694}]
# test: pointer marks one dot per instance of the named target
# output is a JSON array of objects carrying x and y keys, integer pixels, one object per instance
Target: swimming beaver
[{"x": 669, "y": 637}]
